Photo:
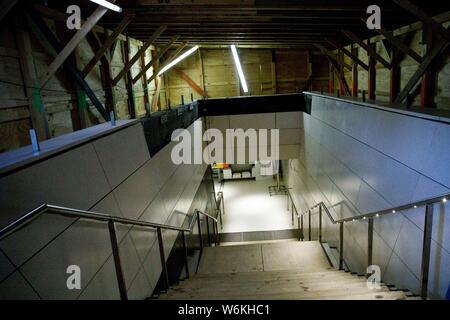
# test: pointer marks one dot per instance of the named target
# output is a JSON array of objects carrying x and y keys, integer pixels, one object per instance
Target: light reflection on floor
[{"x": 249, "y": 207}]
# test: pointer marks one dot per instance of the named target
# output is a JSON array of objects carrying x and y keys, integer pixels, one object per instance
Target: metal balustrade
[
  {"x": 28, "y": 218},
  {"x": 369, "y": 217}
]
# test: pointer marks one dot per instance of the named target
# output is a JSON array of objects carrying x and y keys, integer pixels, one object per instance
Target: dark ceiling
[{"x": 262, "y": 23}]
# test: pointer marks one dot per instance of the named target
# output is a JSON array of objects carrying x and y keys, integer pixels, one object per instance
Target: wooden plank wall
[{"x": 267, "y": 71}]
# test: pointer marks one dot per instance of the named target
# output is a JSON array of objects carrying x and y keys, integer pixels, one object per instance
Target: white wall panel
[{"x": 122, "y": 153}]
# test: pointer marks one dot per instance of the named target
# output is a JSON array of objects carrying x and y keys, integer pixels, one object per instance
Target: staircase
[{"x": 273, "y": 271}]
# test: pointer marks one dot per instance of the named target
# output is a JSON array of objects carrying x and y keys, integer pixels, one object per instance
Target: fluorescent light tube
[
  {"x": 174, "y": 62},
  {"x": 108, "y": 5},
  {"x": 239, "y": 68}
]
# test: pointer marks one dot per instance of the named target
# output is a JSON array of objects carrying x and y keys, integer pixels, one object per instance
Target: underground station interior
[{"x": 224, "y": 150}]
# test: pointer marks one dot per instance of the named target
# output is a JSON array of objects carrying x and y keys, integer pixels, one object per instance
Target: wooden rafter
[
  {"x": 107, "y": 44},
  {"x": 5, "y": 7},
  {"x": 349, "y": 54},
  {"x": 138, "y": 55},
  {"x": 400, "y": 45},
  {"x": 370, "y": 51},
  {"x": 336, "y": 67},
  {"x": 414, "y": 10},
  {"x": 73, "y": 43},
  {"x": 423, "y": 67},
  {"x": 169, "y": 60},
  {"x": 158, "y": 56},
  {"x": 190, "y": 82}
]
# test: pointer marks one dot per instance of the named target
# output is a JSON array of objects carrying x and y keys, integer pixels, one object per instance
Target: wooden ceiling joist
[
  {"x": 190, "y": 82},
  {"x": 158, "y": 56},
  {"x": 400, "y": 45},
  {"x": 107, "y": 44},
  {"x": 349, "y": 54},
  {"x": 139, "y": 54},
  {"x": 423, "y": 67},
  {"x": 370, "y": 51},
  {"x": 73, "y": 43},
  {"x": 336, "y": 67},
  {"x": 414, "y": 10},
  {"x": 169, "y": 60},
  {"x": 6, "y": 6}
]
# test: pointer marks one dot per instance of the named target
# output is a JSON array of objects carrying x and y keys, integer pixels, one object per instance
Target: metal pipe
[
  {"x": 186, "y": 261},
  {"x": 309, "y": 225},
  {"x": 370, "y": 242},
  {"x": 320, "y": 224},
  {"x": 200, "y": 231},
  {"x": 341, "y": 246},
  {"x": 207, "y": 231}
]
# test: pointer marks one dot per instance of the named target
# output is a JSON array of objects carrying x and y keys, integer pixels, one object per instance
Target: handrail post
[
  {"x": 117, "y": 263},
  {"x": 186, "y": 261},
  {"x": 163, "y": 259},
  {"x": 200, "y": 232},
  {"x": 292, "y": 212},
  {"x": 303, "y": 231},
  {"x": 370, "y": 242},
  {"x": 309, "y": 225},
  {"x": 207, "y": 231},
  {"x": 341, "y": 246},
  {"x": 217, "y": 236},
  {"x": 287, "y": 197},
  {"x": 320, "y": 224},
  {"x": 223, "y": 205},
  {"x": 426, "y": 250}
]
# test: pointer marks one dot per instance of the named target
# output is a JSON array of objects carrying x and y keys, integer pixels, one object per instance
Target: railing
[
  {"x": 369, "y": 217},
  {"x": 112, "y": 221},
  {"x": 220, "y": 207}
]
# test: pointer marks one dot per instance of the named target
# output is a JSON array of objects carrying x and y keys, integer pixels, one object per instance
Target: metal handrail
[
  {"x": 220, "y": 207},
  {"x": 29, "y": 217},
  {"x": 375, "y": 214},
  {"x": 369, "y": 217}
]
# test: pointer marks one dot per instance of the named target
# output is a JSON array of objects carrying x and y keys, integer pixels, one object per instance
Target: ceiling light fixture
[
  {"x": 107, "y": 5},
  {"x": 174, "y": 62},
  {"x": 239, "y": 68}
]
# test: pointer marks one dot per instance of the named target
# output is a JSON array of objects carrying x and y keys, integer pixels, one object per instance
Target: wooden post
[
  {"x": 394, "y": 76},
  {"x": 126, "y": 48},
  {"x": 372, "y": 74},
  {"x": 426, "y": 87},
  {"x": 30, "y": 81},
  {"x": 202, "y": 71},
  {"x": 145, "y": 87},
  {"x": 354, "y": 74}
]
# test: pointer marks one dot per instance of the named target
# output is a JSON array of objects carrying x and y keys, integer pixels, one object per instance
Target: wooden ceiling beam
[
  {"x": 73, "y": 43},
  {"x": 370, "y": 51},
  {"x": 5, "y": 7},
  {"x": 138, "y": 55},
  {"x": 415, "y": 11},
  {"x": 336, "y": 66},
  {"x": 107, "y": 44},
  {"x": 423, "y": 67},
  {"x": 349, "y": 54},
  {"x": 400, "y": 45},
  {"x": 158, "y": 56}
]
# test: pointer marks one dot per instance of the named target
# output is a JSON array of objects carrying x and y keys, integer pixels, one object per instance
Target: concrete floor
[{"x": 249, "y": 207}]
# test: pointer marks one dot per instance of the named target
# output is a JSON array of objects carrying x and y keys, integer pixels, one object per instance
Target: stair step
[
  {"x": 272, "y": 280},
  {"x": 272, "y": 288},
  {"x": 296, "y": 295}
]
